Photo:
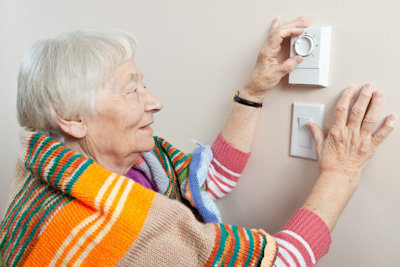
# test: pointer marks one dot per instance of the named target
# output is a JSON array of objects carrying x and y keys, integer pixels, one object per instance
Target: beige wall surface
[{"x": 196, "y": 54}]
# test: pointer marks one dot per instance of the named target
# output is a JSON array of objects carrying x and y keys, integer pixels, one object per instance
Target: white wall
[{"x": 196, "y": 54}]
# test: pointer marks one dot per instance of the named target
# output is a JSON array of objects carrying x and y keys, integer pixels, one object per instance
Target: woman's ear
[{"x": 75, "y": 128}]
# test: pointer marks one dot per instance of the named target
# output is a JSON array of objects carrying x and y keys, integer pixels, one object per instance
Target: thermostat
[{"x": 314, "y": 46}]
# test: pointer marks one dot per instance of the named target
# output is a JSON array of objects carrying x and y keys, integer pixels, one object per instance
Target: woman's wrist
[
  {"x": 349, "y": 178},
  {"x": 250, "y": 95}
]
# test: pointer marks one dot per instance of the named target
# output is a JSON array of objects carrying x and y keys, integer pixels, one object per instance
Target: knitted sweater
[
  {"x": 68, "y": 210},
  {"x": 209, "y": 176}
]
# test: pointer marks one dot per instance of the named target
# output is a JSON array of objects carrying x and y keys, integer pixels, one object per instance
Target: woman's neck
[{"x": 119, "y": 164}]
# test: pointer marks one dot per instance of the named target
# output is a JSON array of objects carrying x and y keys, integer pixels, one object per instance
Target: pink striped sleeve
[
  {"x": 225, "y": 168},
  {"x": 303, "y": 240}
]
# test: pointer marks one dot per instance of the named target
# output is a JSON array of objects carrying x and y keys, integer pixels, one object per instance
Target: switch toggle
[
  {"x": 304, "y": 132},
  {"x": 302, "y": 144}
]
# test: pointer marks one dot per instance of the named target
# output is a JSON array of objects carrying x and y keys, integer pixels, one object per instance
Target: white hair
[{"x": 63, "y": 74}]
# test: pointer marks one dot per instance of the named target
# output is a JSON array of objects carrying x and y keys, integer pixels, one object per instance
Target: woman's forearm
[
  {"x": 330, "y": 195},
  {"x": 346, "y": 150},
  {"x": 240, "y": 127}
]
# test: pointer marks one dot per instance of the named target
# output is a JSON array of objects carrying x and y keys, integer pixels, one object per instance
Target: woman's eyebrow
[
  {"x": 129, "y": 78},
  {"x": 133, "y": 77}
]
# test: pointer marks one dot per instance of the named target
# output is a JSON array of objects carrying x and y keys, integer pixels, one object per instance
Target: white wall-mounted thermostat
[{"x": 314, "y": 46}]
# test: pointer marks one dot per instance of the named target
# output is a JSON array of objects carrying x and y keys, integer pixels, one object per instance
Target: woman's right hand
[
  {"x": 351, "y": 143},
  {"x": 268, "y": 71}
]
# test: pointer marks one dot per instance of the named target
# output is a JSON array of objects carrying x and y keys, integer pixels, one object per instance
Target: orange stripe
[
  {"x": 184, "y": 165},
  {"x": 86, "y": 188},
  {"x": 61, "y": 164},
  {"x": 256, "y": 251},
  {"x": 84, "y": 178},
  {"x": 178, "y": 157},
  {"x": 35, "y": 147},
  {"x": 69, "y": 172},
  {"x": 56, "y": 232},
  {"x": 231, "y": 249},
  {"x": 81, "y": 233},
  {"x": 89, "y": 184},
  {"x": 244, "y": 248},
  {"x": 40, "y": 155},
  {"x": 140, "y": 161},
  {"x": 170, "y": 187},
  {"x": 214, "y": 252},
  {"x": 74, "y": 240},
  {"x": 225, "y": 245},
  {"x": 104, "y": 223},
  {"x": 117, "y": 241},
  {"x": 122, "y": 235}
]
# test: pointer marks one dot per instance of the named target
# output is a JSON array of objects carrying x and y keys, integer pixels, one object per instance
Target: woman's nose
[{"x": 153, "y": 104}]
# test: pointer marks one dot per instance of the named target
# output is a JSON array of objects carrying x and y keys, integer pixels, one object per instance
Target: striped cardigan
[{"x": 67, "y": 210}]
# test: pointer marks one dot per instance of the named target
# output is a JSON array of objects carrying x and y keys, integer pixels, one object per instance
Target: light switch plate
[
  {"x": 314, "y": 45},
  {"x": 302, "y": 145}
]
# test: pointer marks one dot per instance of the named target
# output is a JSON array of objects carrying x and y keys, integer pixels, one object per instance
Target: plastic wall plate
[
  {"x": 302, "y": 144},
  {"x": 314, "y": 45}
]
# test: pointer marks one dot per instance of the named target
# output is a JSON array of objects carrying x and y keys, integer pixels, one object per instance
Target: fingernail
[
  {"x": 351, "y": 89},
  {"x": 369, "y": 86},
  {"x": 378, "y": 95},
  {"x": 298, "y": 59},
  {"x": 392, "y": 117}
]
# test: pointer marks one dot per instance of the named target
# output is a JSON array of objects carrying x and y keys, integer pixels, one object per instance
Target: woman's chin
[{"x": 148, "y": 145}]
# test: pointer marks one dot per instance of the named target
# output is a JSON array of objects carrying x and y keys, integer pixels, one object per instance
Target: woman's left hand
[
  {"x": 351, "y": 142},
  {"x": 268, "y": 71}
]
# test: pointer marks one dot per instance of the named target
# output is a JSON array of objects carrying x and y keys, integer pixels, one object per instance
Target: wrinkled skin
[
  {"x": 268, "y": 71},
  {"x": 345, "y": 151},
  {"x": 351, "y": 142}
]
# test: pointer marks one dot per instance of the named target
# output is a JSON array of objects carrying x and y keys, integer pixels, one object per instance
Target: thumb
[
  {"x": 317, "y": 134},
  {"x": 290, "y": 64}
]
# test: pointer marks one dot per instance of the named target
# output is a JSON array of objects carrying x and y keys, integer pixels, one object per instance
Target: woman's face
[{"x": 125, "y": 111}]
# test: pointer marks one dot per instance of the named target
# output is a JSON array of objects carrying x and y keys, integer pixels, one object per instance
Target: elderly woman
[{"x": 94, "y": 188}]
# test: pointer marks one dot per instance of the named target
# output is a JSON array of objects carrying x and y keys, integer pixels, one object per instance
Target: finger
[
  {"x": 360, "y": 107},
  {"x": 278, "y": 33},
  {"x": 372, "y": 115},
  {"x": 342, "y": 108},
  {"x": 281, "y": 33},
  {"x": 383, "y": 132},
  {"x": 275, "y": 24},
  {"x": 274, "y": 53},
  {"x": 300, "y": 22},
  {"x": 317, "y": 134},
  {"x": 289, "y": 64}
]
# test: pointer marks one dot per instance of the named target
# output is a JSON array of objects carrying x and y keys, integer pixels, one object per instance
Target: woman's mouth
[{"x": 146, "y": 127}]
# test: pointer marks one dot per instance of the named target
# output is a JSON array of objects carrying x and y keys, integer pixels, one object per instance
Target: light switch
[
  {"x": 314, "y": 46},
  {"x": 304, "y": 133},
  {"x": 302, "y": 145}
]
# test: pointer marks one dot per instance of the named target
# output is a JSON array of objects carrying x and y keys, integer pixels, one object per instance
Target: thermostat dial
[{"x": 304, "y": 46}]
